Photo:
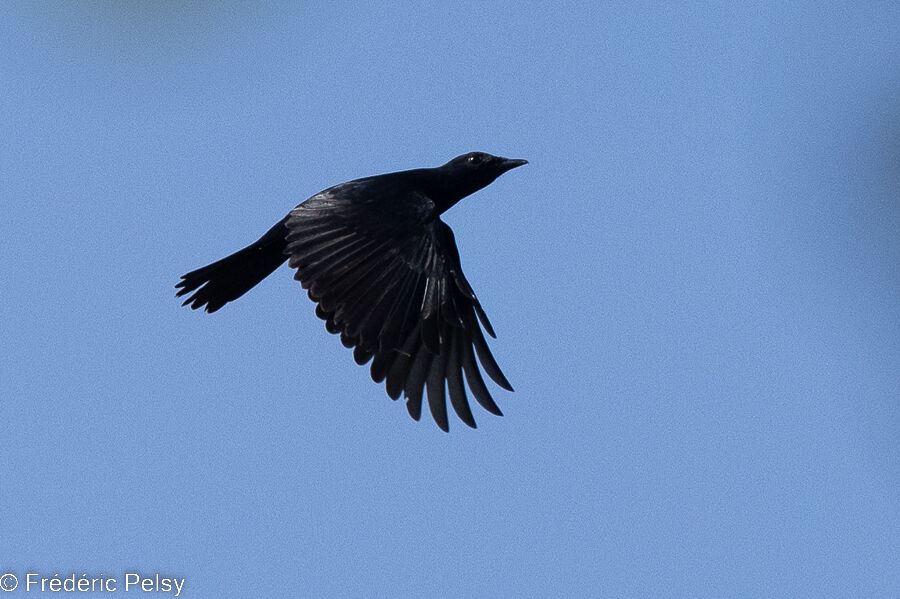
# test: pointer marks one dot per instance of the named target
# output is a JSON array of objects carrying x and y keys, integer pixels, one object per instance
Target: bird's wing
[{"x": 389, "y": 281}]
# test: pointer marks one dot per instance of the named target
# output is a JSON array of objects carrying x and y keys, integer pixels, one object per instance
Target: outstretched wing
[{"x": 388, "y": 279}]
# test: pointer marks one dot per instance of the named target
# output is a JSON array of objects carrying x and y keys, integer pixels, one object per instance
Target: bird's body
[{"x": 385, "y": 274}]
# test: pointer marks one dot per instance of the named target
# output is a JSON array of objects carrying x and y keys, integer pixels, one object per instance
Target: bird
[{"x": 384, "y": 272}]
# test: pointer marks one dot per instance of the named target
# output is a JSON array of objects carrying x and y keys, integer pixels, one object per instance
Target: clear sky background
[{"x": 695, "y": 283}]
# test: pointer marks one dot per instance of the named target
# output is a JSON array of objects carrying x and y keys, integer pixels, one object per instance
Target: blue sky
[{"x": 695, "y": 284}]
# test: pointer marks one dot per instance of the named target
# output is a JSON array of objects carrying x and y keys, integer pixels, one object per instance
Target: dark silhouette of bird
[{"x": 385, "y": 274}]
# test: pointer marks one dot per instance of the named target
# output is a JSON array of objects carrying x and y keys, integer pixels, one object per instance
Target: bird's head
[{"x": 470, "y": 172}]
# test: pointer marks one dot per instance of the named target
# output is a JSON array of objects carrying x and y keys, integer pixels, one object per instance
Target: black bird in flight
[{"x": 385, "y": 273}]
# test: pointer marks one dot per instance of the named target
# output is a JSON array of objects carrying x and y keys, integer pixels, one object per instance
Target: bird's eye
[{"x": 475, "y": 159}]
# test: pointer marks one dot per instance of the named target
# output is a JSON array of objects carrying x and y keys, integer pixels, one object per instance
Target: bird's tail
[{"x": 218, "y": 283}]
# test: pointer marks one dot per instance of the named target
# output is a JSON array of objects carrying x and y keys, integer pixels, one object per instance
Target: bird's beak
[{"x": 507, "y": 164}]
